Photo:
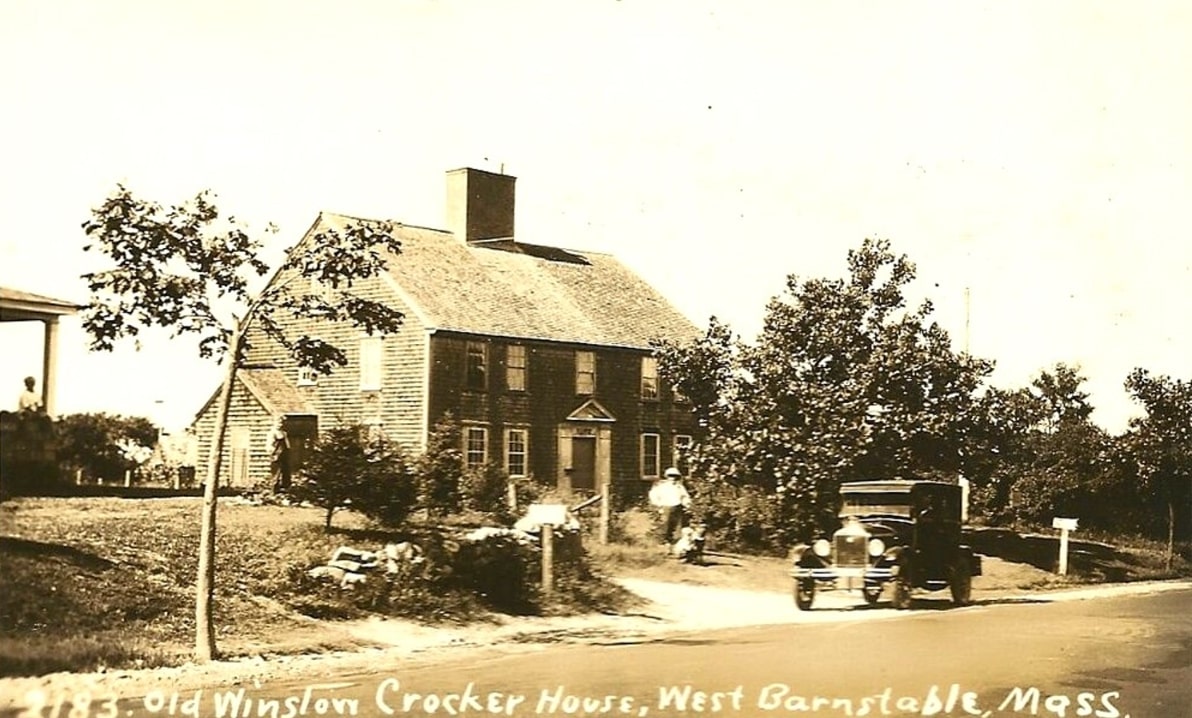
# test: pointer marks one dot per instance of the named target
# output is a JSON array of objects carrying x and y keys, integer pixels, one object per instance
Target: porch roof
[{"x": 21, "y": 306}]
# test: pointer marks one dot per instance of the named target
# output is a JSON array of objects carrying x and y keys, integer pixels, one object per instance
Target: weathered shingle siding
[
  {"x": 245, "y": 412},
  {"x": 550, "y": 397},
  {"x": 337, "y": 397}
]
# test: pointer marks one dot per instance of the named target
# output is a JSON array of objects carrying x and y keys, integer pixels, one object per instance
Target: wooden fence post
[
  {"x": 605, "y": 510},
  {"x": 548, "y": 559}
]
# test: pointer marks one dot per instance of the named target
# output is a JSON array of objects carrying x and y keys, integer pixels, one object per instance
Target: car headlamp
[
  {"x": 822, "y": 548},
  {"x": 876, "y": 547}
]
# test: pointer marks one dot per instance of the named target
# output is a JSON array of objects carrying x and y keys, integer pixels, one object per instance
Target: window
[
  {"x": 649, "y": 378},
  {"x": 650, "y": 456},
  {"x": 371, "y": 353},
  {"x": 475, "y": 446},
  {"x": 682, "y": 451},
  {"x": 515, "y": 367},
  {"x": 240, "y": 441},
  {"x": 516, "y": 449},
  {"x": 585, "y": 373},
  {"x": 477, "y": 366},
  {"x": 307, "y": 376}
]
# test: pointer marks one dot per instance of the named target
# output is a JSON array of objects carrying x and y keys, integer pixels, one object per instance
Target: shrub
[
  {"x": 503, "y": 571},
  {"x": 742, "y": 517},
  {"x": 486, "y": 490},
  {"x": 348, "y": 468},
  {"x": 440, "y": 469}
]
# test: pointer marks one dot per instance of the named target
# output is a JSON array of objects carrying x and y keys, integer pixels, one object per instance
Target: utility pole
[{"x": 967, "y": 312}]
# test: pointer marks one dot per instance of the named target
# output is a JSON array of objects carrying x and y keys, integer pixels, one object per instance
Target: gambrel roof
[{"x": 525, "y": 291}]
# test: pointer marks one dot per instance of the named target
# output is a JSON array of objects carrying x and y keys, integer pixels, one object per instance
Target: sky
[{"x": 1034, "y": 157}]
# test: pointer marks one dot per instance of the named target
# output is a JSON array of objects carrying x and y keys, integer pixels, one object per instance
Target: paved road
[{"x": 1128, "y": 655}]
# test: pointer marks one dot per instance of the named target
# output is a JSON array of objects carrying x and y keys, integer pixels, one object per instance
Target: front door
[
  {"x": 303, "y": 430},
  {"x": 583, "y": 463}
]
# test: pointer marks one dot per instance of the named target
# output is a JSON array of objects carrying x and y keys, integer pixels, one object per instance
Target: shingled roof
[{"x": 525, "y": 291}]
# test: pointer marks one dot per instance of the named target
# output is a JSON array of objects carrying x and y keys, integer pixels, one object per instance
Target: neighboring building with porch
[
  {"x": 543, "y": 355},
  {"x": 27, "y": 451},
  {"x": 20, "y": 306}
]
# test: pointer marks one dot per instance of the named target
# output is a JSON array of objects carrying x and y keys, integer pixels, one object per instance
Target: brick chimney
[{"x": 479, "y": 205}]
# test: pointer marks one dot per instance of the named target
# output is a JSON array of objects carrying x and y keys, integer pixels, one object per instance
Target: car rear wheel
[
  {"x": 961, "y": 583},
  {"x": 804, "y": 593}
]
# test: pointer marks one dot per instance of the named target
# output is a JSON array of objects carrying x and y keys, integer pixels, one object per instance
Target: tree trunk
[
  {"x": 205, "y": 649},
  {"x": 327, "y": 526}
]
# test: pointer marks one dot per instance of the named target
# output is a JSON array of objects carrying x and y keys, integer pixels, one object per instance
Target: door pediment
[{"x": 591, "y": 410}]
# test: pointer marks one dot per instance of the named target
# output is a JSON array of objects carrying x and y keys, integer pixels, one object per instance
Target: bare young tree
[{"x": 189, "y": 271}]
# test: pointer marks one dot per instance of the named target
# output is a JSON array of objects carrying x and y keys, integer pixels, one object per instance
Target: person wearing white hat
[{"x": 671, "y": 497}]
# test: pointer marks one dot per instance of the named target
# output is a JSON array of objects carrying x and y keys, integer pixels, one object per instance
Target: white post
[
  {"x": 1064, "y": 525},
  {"x": 964, "y": 499},
  {"x": 548, "y": 559},
  {"x": 1063, "y": 552}
]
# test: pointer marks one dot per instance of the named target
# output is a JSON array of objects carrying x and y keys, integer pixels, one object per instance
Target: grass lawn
[
  {"x": 104, "y": 581},
  {"x": 97, "y": 582}
]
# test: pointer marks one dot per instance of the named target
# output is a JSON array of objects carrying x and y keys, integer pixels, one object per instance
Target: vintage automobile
[{"x": 896, "y": 531}]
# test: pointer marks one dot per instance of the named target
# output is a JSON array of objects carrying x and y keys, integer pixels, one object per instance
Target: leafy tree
[
  {"x": 999, "y": 448},
  {"x": 187, "y": 269},
  {"x": 92, "y": 442},
  {"x": 1162, "y": 443},
  {"x": 702, "y": 372},
  {"x": 1061, "y": 398},
  {"x": 845, "y": 382},
  {"x": 347, "y": 468},
  {"x": 1062, "y": 467}
]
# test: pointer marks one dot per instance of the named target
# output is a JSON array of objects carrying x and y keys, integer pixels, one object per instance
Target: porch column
[{"x": 49, "y": 366}]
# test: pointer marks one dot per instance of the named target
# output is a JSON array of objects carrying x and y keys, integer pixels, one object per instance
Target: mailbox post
[
  {"x": 1064, "y": 525},
  {"x": 547, "y": 517}
]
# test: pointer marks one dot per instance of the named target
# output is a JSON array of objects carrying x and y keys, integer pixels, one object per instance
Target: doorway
[{"x": 583, "y": 463}]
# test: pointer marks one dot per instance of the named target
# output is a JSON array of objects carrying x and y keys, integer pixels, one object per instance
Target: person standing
[
  {"x": 279, "y": 439},
  {"x": 670, "y": 496}
]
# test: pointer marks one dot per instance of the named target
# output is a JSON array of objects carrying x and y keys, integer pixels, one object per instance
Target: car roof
[{"x": 894, "y": 486}]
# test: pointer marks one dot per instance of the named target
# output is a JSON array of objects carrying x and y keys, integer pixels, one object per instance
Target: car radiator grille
[{"x": 850, "y": 551}]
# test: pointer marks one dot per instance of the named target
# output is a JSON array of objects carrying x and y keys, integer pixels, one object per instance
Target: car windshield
[{"x": 870, "y": 504}]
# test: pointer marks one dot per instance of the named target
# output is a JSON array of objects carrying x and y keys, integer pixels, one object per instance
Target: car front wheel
[
  {"x": 961, "y": 584},
  {"x": 872, "y": 592},
  {"x": 804, "y": 593},
  {"x": 903, "y": 585}
]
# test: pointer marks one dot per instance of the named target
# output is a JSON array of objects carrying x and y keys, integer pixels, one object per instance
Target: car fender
[
  {"x": 892, "y": 557},
  {"x": 802, "y": 555}
]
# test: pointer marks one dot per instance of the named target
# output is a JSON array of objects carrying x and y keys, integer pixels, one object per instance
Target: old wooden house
[{"x": 542, "y": 354}]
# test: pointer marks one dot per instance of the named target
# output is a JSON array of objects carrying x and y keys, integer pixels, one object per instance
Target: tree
[
  {"x": 92, "y": 443},
  {"x": 189, "y": 271},
  {"x": 348, "y": 468},
  {"x": 1064, "y": 463},
  {"x": 844, "y": 382},
  {"x": 1162, "y": 443},
  {"x": 440, "y": 468}
]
